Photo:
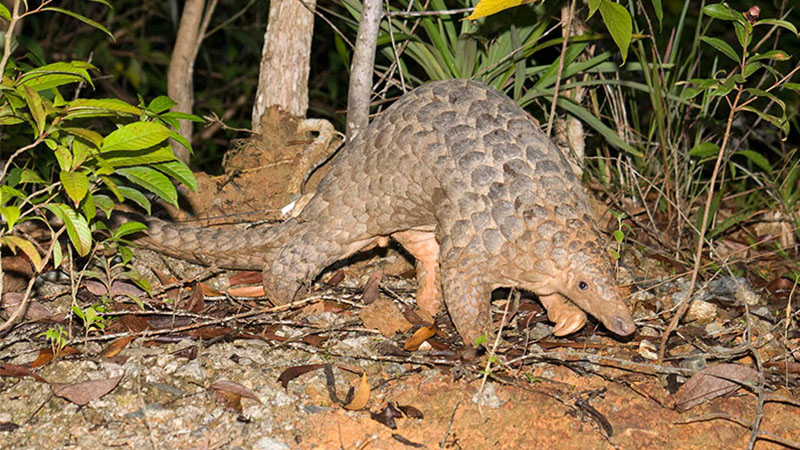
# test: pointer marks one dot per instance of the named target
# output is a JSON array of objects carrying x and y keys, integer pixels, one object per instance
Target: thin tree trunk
[
  {"x": 180, "y": 85},
  {"x": 360, "y": 87},
  {"x": 285, "y": 60}
]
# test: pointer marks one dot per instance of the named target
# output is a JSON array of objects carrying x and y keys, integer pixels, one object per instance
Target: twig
[
  {"x": 450, "y": 424},
  {"x": 565, "y": 32},
  {"x": 26, "y": 297},
  {"x": 441, "y": 12}
]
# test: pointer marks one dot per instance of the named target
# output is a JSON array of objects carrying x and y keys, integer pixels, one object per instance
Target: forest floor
[{"x": 201, "y": 364}]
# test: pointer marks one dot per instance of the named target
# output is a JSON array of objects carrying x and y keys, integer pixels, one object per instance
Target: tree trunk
[
  {"x": 180, "y": 85},
  {"x": 285, "y": 60}
]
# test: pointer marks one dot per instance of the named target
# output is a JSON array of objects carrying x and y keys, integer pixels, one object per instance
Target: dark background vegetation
[{"x": 227, "y": 66}]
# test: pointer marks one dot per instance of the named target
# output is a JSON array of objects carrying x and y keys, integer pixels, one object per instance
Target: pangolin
[{"x": 466, "y": 181}]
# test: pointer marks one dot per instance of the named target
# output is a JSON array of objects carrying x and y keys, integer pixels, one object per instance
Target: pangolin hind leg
[{"x": 308, "y": 247}]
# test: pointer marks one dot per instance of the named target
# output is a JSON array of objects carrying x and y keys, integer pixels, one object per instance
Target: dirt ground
[{"x": 202, "y": 364}]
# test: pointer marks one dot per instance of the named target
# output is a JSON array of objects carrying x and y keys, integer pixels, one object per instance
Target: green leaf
[
  {"x": 721, "y": 11},
  {"x": 76, "y": 184},
  {"x": 778, "y": 23},
  {"x": 30, "y": 176},
  {"x": 64, "y": 158},
  {"x": 77, "y": 228},
  {"x": 27, "y": 247},
  {"x": 135, "y": 196},
  {"x": 104, "y": 202},
  {"x": 775, "y": 55},
  {"x": 781, "y": 124},
  {"x": 135, "y": 136},
  {"x": 10, "y": 214},
  {"x": 722, "y": 46},
  {"x": 751, "y": 68},
  {"x": 36, "y": 107},
  {"x": 146, "y": 156},
  {"x": 128, "y": 228},
  {"x": 691, "y": 92},
  {"x": 160, "y": 104},
  {"x": 179, "y": 171},
  {"x": 757, "y": 159},
  {"x": 4, "y": 12},
  {"x": 619, "y": 24},
  {"x": 762, "y": 93},
  {"x": 153, "y": 181},
  {"x": 792, "y": 86},
  {"x": 741, "y": 34},
  {"x": 86, "y": 134},
  {"x": 593, "y": 5},
  {"x": 58, "y": 256},
  {"x": 89, "y": 209},
  {"x": 619, "y": 236},
  {"x": 84, "y": 107},
  {"x": 704, "y": 150},
  {"x": 56, "y": 74},
  {"x": 83, "y": 19},
  {"x": 177, "y": 137},
  {"x": 659, "y": 11},
  {"x": 112, "y": 186}
]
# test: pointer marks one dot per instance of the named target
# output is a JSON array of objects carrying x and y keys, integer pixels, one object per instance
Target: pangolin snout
[{"x": 623, "y": 326}]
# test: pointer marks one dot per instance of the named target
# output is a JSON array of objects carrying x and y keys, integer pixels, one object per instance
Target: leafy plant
[{"x": 70, "y": 158}]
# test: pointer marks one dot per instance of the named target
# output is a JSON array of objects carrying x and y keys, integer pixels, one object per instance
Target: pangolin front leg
[{"x": 567, "y": 317}]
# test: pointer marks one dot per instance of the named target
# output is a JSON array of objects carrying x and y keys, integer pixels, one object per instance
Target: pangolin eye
[{"x": 582, "y": 285}]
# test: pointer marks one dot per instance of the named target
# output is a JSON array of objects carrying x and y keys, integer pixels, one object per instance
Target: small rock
[
  {"x": 192, "y": 371},
  {"x": 702, "y": 312},
  {"x": 647, "y": 350},
  {"x": 746, "y": 295},
  {"x": 713, "y": 328},
  {"x": 649, "y": 331},
  {"x": 268, "y": 443},
  {"x": 488, "y": 397},
  {"x": 695, "y": 363},
  {"x": 539, "y": 331}
]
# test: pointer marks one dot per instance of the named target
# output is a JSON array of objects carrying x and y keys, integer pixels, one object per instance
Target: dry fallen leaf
[
  {"x": 33, "y": 310},
  {"x": 84, "y": 392},
  {"x": 361, "y": 397},
  {"x": 116, "y": 346},
  {"x": 46, "y": 355},
  {"x": 293, "y": 372},
  {"x": 236, "y": 388},
  {"x": 13, "y": 370},
  {"x": 383, "y": 315},
  {"x": 372, "y": 289},
  {"x": 245, "y": 277},
  {"x": 247, "y": 291},
  {"x": 419, "y": 336},
  {"x": 712, "y": 382}
]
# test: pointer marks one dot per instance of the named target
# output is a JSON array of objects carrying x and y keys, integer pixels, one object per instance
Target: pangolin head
[{"x": 589, "y": 282}]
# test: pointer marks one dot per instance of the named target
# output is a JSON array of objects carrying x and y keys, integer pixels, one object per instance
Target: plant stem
[
  {"x": 8, "y": 37},
  {"x": 566, "y": 32},
  {"x": 698, "y": 255}
]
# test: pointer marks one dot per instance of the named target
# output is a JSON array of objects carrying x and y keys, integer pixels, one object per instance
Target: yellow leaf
[
  {"x": 420, "y": 336},
  {"x": 489, "y": 7},
  {"x": 15, "y": 242},
  {"x": 361, "y": 397}
]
